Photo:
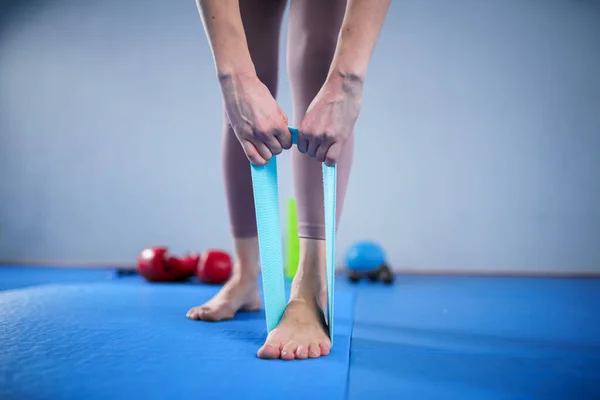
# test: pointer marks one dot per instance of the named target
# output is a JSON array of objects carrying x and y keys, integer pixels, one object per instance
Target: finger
[
  {"x": 284, "y": 137},
  {"x": 273, "y": 144},
  {"x": 333, "y": 154},
  {"x": 322, "y": 152},
  {"x": 313, "y": 145},
  {"x": 302, "y": 143},
  {"x": 263, "y": 150},
  {"x": 283, "y": 134},
  {"x": 252, "y": 153}
]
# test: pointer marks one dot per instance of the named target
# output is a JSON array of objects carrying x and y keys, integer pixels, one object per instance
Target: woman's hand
[
  {"x": 257, "y": 120},
  {"x": 330, "y": 119}
]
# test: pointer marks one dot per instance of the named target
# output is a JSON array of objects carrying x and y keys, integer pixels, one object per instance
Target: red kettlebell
[
  {"x": 153, "y": 264},
  {"x": 214, "y": 267}
]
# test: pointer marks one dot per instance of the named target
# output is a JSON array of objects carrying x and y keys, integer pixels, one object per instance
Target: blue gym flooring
[{"x": 91, "y": 334}]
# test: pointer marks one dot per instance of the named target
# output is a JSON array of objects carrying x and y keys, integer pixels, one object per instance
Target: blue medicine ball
[{"x": 364, "y": 256}]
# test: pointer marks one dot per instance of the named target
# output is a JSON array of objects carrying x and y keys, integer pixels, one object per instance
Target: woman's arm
[
  {"x": 225, "y": 31},
  {"x": 359, "y": 33},
  {"x": 257, "y": 120},
  {"x": 331, "y": 116}
]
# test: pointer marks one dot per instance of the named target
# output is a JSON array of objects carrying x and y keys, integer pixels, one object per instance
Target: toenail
[
  {"x": 314, "y": 353},
  {"x": 284, "y": 353}
]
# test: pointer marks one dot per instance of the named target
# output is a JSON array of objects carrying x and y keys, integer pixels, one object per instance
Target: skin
[{"x": 327, "y": 104}]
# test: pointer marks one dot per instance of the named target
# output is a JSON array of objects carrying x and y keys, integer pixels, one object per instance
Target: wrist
[
  {"x": 227, "y": 74},
  {"x": 232, "y": 57},
  {"x": 345, "y": 80},
  {"x": 235, "y": 62}
]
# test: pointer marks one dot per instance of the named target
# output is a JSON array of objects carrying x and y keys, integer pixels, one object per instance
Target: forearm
[
  {"x": 225, "y": 31},
  {"x": 360, "y": 30}
]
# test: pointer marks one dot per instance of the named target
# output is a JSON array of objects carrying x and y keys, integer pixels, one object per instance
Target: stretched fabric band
[{"x": 266, "y": 201}]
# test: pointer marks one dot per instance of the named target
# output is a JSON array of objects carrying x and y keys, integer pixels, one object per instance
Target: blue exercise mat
[
  {"x": 16, "y": 277},
  {"x": 421, "y": 338},
  {"x": 477, "y": 338},
  {"x": 132, "y": 340}
]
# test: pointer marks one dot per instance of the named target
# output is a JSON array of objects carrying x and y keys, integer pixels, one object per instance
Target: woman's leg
[
  {"x": 262, "y": 24},
  {"x": 313, "y": 32},
  {"x": 312, "y": 45}
]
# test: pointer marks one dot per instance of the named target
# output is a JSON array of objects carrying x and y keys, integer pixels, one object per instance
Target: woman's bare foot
[
  {"x": 238, "y": 294},
  {"x": 241, "y": 292},
  {"x": 302, "y": 333}
]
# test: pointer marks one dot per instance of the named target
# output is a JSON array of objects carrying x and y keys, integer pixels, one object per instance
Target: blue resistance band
[{"x": 266, "y": 201}]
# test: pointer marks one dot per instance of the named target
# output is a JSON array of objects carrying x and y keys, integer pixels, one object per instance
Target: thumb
[
  {"x": 333, "y": 154},
  {"x": 252, "y": 153}
]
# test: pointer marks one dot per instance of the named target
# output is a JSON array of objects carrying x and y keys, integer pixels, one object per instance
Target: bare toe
[
  {"x": 269, "y": 351},
  {"x": 194, "y": 313},
  {"x": 289, "y": 351},
  {"x": 314, "y": 351},
  {"x": 302, "y": 352},
  {"x": 325, "y": 348}
]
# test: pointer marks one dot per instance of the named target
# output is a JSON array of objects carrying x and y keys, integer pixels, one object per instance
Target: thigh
[
  {"x": 314, "y": 27},
  {"x": 262, "y": 24}
]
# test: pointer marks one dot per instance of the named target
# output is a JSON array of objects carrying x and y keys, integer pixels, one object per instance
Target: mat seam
[{"x": 354, "y": 306}]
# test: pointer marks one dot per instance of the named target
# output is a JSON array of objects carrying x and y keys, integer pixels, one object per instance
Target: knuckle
[
  {"x": 274, "y": 133},
  {"x": 307, "y": 134},
  {"x": 242, "y": 131},
  {"x": 327, "y": 135},
  {"x": 249, "y": 133},
  {"x": 260, "y": 134}
]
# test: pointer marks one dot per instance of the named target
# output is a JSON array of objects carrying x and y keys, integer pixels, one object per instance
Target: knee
[
  {"x": 317, "y": 47},
  {"x": 310, "y": 61}
]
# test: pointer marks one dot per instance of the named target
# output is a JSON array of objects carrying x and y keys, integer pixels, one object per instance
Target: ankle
[
  {"x": 310, "y": 282},
  {"x": 312, "y": 253},
  {"x": 309, "y": 288},
  {"x": 304, "y": 297},
  {"x": 316, "y": 301},
  {"x": 243, "y": 275},
  {"x": 247, "y": 267}
]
